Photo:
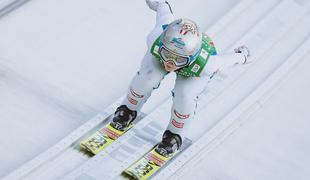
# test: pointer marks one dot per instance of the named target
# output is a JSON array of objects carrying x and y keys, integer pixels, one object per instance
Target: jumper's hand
[
  {"x": 245, "y": 51},
  {"x": 153, "y": 4}
]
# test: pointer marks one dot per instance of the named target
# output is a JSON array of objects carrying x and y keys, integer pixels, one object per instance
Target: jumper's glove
[
  {"x": 153, "y": 4},
  {"x": 245, "y": 51}
]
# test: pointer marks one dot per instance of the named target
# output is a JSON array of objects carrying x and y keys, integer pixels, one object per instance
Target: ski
[
  {"x": 102, "y": 138},
  {"x": 104, "y": 135},
  {"x": 150, "y": 163}
]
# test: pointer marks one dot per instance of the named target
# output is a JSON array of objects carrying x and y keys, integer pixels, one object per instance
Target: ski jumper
[{"x": 190, "y": 81}]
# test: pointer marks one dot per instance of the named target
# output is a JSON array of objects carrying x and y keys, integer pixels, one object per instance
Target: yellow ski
[
  {"x": 102, "y": 139},
  {"x": 148, "y": 165}
]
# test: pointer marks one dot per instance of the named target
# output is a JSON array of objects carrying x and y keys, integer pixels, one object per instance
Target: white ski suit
[{"x": 187, "y": 89}]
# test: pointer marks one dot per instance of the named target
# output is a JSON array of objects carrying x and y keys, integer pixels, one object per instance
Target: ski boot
[
  {"x": 123, "y": 118},
  {"x": 169, "y": 145}
]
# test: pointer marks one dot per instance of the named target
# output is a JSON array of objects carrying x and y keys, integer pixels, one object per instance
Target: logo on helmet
[
  {"x": 178, "y": 42},
  {"x": 188, "y": 27}
]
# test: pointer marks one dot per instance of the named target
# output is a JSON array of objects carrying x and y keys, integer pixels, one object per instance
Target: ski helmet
[{"x": 180, "y": 42}]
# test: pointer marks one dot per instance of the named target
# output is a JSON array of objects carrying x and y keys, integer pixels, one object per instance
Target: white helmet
[{"x": 181, "y": 42}]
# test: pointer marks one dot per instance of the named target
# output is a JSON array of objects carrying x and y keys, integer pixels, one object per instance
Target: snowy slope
[
  {"x": 270, "y": 139},
  {"x": 55, "y": 65},
  {"x": 273, "y": 144},
  {"x": 252, "y": 120}
]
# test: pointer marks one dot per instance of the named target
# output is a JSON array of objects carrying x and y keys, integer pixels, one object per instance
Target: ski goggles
[
  {"x": 179, "y": 60},
  {"x": 167, "y": 55}
]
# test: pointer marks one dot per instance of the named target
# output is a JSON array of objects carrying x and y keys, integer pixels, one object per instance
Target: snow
[
  {"x": 273, "y": 144},
  {"x": 58, "y": 67}
]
